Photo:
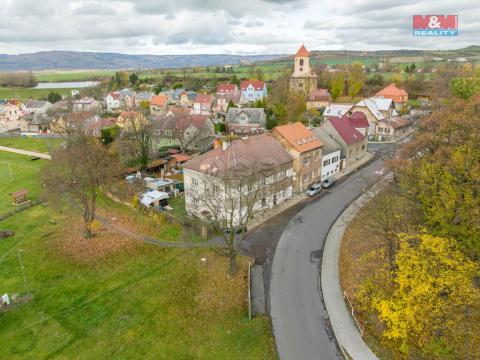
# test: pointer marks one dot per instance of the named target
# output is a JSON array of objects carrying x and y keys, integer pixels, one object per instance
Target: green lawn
[
  {"x": 43, "y": 145},
  {"x": 27, "y": 93},
  {"x": 18, "y": 172},
  {"x": 137, "y": 301}
]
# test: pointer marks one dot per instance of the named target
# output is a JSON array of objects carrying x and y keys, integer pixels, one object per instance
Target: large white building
[{"x": 245, "y": 176}]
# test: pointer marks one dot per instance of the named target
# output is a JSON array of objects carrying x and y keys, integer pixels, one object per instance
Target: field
[
  {"x": 43, "y": 145},
  {"x": 29, "y": 93},
  {"x": 73, "y": 75},
  {"x": 111, "y": 297},
  {"x": 17, "y": 172}
]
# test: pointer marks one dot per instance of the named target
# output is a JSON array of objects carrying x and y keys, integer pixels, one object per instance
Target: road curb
[{"x": 345, "y": 329}]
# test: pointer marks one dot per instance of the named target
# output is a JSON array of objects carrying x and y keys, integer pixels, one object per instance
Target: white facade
[
  {"x": 330, "y": 164},
  {"x": 113, "y": 102},
  {"x": 196, "y": 184}
]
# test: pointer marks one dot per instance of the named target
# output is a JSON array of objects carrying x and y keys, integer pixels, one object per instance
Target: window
[
  {"x": 194, "y": 181},
  {"x": 215, "y": 188},
  {"x": 306, "y": 160},
  {"x": 326, "y": 162},
  {"x": 363, "y": 147},
  {"x": 301, "y": 62},
  {"x": 195, "y": 200},
  {"x": 264, "y": 202},
  {"x": 168, "y": 132},
  {"x": 315, "y": 157}
]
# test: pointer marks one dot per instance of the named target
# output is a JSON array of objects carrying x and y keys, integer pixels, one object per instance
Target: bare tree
[
  {"x": 234, "y": 196},
  {"x": 135, "y": 142},
  {"x": 79, "y": 170}
]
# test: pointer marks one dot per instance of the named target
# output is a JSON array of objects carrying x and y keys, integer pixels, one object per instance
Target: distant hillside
[
  {"x": 472, "y": 51},
  {"x": 71, "y": 60}
]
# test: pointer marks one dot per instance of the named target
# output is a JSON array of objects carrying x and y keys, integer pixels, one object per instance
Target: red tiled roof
[
  {"x": 319, "y": 94},
  {"x": 159, "y": 100},
  {"x": 257, "y": 84},
  {"x": 227, "y": 87},
  {"x": 302, "y": 52},
  {"x": 203, "y": 98},
  {"x": 298, "y": 136},
  {"x": 392, "y": 90},
  {"x": 198, "y": 120},
  {"x": 346, "y": 130},
  {"x": 359, "y": 120}
]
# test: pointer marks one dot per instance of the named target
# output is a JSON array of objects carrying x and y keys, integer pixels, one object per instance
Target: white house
[
  {"x": 114, "y": 101},
  {"x": 202, "y": 105},
  {"x": 331, "y": 154},
  {"x": 253, "y": 90},
  {"x": 255, "y": 169},
  {"x": 337, "y": 110}
]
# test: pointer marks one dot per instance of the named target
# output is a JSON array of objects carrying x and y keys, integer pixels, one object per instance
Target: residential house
[
  {"x": 226, "y": 88},
  {"x": 375, "y": 109},
  {"x": 142, "y": 97},
  {"x": 222, "y": 100},
  {"x": 332, "y": 161},
  {"x": 87, "y": 105},
  {"x": 128, "y": 98},
  {"x": 303, "y": 78},
  {"x": 353, "y": 143},
  {"x": 306, "y": 150},
  {"x": 37, "y": 106},
  {"x": 392, "y": 92},
  {"x": 336, "y": 110},
  {"x": 253, "y": 90},
  {"x": 189, "y": 132},
  {"x": 114, "y": 101},
  {"x": 9, "y": 117},
  {"x": 318, "y": 99},
  {"x": 246, "y": 120},
  {"x": 129, "y": 120},
  {"x": 158, "y": 104},
  {"x": 95, "y": 124},
  {"x": 187, "y": 98},
  {"x": 359, "y": 121},
  {"x": 202, "y": 105},
  {"x": 393, "y": 128},
  {"x": 35, "y": 123},
  {"x": 233, "y": 170}
]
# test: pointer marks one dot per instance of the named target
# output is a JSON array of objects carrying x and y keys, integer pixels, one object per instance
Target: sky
[{"x": 165, "y": 27}]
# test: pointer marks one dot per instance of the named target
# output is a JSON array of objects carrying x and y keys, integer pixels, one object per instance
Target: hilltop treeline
[{"x": 18, "y": 79}]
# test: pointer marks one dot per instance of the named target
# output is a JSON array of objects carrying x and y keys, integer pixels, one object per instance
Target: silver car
[{"x": 314, "y": 189}]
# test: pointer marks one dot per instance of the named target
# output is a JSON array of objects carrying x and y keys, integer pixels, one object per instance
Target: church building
[{"x": 303, "y": 77}]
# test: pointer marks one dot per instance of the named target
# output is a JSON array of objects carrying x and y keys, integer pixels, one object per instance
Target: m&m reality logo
[{"x": 435, "y": 25}]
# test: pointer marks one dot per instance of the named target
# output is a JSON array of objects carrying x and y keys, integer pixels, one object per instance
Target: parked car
[
  {"x": 328, "y": 182},
  {"x": 314, "y": 189}
]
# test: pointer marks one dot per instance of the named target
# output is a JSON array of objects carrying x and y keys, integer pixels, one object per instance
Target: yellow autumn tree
[{"x": 434, "y": 295}]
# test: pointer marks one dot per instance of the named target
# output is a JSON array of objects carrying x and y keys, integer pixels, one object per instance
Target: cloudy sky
[{"x": 226, "y": 26}]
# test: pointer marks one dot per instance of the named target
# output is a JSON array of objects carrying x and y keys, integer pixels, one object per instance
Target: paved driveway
[{"x": 300, "y": 322}]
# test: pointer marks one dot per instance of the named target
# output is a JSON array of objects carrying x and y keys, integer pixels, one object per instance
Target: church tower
[{"x": 303, "y": 78}]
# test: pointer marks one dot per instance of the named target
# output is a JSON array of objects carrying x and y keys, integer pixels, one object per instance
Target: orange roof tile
[
  {"x": 392, "y": 90},
  {"x": 302, "y": 52},
  {"x": 298, "y": 136},
  {"x": 159, "y": 100}
]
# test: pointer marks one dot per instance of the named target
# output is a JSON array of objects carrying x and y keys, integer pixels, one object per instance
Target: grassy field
[
  {"x": 111, "y": 297},
  {"x": 73, "y": 75},
  {"x": 43, "y": 145},
  {"x": 27, "y": 93},
  {"x": 18, "y": 172}
]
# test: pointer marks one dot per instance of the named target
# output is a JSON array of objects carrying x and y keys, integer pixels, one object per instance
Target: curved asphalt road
[{"x": 300, "y": 321}]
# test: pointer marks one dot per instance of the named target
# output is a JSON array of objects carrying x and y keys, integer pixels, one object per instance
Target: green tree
[
  {"x": 133, "y": 79},
  {"x": 54, "y": 97},
  {"x": 337, "y": 84},
  {"x": 464, "y": 88},
  {"x": 235, "y": 80},
  {"x": 356, "y": 79},
  {"x": 109, "y": 134}
]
